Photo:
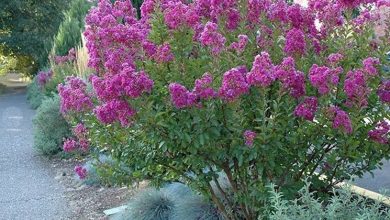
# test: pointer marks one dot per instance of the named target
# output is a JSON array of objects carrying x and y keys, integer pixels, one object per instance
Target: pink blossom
[
  {"x": 84, "y": 145},
  {"x": 354, "y": 3},
  {"x": 262, "y": 72},
  {"x": 210, "y": 37},
  {"x": 177, "y": 14},
  {"x": 233, "y": 19},
  {"x": 329, "y": 13},
  {"x": 335, "y": 58},
  {"x": 340, "y": 119},
  {"x": 380, "y": 133},
  {"x": 70, "y": 145},
  {"x": 277, "y": 11},
  {"x": 255, "y": 8},
  {"x": 126, "y": 83},
  {"x": 296, "y": 15},
  {"x": 356, "y": 89},
  {"x": 292, "y": 80},
  {"x": 73, "y": 96},
  {"x": 385, "y": 3},
  {"x": 384, "y": 91},
  {"x": 80, "y": 171},
  {"x": 150, "y": 48},
  {"x": 323, "y": 78},
  {"x": 307, "y": 108},
  {"x": 164, "y": 54},
  {"x": 295, "y": 42},
  {"x": 80, "y": 130},
  {"x": 203, "y": 89},
  {"x": 181, "y": 97},
  {"x": 249, "y": 137},
  {"x": 115, "y": 111},
  {"x": 241, "y": 44},
  {"x": 370, "y": 66},
  {"x": 44, "y": 77},
  {"x": 234, "y": 84}
]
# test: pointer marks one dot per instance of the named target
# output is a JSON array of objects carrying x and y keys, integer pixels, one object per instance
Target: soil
[{"x": 87, "y": 202}]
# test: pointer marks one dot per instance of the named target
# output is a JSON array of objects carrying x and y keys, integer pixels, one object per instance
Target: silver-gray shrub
[
  {"x": 50, "y": 128},
  {"x": 343, "y": 204}
]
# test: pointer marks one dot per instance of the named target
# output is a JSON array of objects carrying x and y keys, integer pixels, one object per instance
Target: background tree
[
  {"x": 27, "y": 28},
  {"x": 69, "y": 32}
]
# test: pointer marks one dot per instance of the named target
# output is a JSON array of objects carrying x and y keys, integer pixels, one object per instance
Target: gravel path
[
  {"x": 379, "y": 182},
  {"x": 27, "y": 187}
]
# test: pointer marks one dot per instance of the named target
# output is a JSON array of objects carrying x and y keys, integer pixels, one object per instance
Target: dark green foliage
[
  {"x": 137, "y": 5},
  {"x": 50, "y": 128},
  {"x": 69, "y": 32},
  {"x": 34, "y": 94},
  {"x": 27, "y": 27}
]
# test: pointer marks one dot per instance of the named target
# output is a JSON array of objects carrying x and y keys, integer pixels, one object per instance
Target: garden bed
[{"x": 87, "y": 202}]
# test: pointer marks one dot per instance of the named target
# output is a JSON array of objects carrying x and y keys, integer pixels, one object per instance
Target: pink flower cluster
[
  {"x": 370, "y": 66},
  {"x": 163, "y": 54},
  {"x": 114, "y": 35},
  {"x": 380, "y": 133},
  {"x": 335, "y": 58},
  {"x": 307, "y": 108},
  {"x": 323, "y": 78},
  {"x": 44, "y": 77},
  {"x": 384, "y": 91},
  {"x": 241, "y": 44},
  {"x": 262, "y": 71},
  {"x": 73, "y": 96},
  {"x": 81, "y": 133},
  {"x": 177, "y": 14},
  {"x": 127, "y": 83},
  {"x": 81, "y": 171},
  {"x": 70, "y": 145},
  {"x": 67, "y": 58},
  {"x": 249, "y": 137},
  {"x": 340, "y": 119},
  {"x": 234, "y": 84},
  {"x": 115, "y": 110},
  {"x": 356, "y": 89},
  {"x": 182, "y": 98},
  {"x": 111, "y": 90},
  {"x": 295, "y": 42},
  {"x": 211, "y": 38},
  {"x": 292, "y": 80}
]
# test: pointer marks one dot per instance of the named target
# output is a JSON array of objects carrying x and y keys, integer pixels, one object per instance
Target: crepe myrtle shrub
[{"x": 256, "y": 90}]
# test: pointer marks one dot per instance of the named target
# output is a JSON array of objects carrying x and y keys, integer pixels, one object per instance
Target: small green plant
[
  {"x": 343, "y": 204},
  {"x": 34, "y": 94},
  {"x": 103, "y": 170},
  {"x": 50, "y": 128}
]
